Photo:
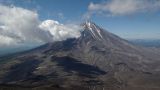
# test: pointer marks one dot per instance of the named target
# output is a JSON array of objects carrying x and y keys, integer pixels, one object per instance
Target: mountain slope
[{"x": 96, "y": 60}]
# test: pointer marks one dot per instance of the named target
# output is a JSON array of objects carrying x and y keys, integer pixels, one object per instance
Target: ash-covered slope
[{"x": 96, "y": 60}]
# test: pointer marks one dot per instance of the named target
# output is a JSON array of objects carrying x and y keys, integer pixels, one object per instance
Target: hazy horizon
[
  {"x": 29, "y": 23},
  {"x": 39, "y": 21}
]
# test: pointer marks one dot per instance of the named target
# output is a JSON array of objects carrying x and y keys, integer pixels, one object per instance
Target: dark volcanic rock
[{"x": 97, "y": 60}]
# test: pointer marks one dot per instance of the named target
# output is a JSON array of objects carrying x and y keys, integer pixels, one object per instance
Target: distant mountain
[
  {"x": 146, "y": 42},
  {"x": 97, "y": 60},
  {"x": 11, "y": 50}
]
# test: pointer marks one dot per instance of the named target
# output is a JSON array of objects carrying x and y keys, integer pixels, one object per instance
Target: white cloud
[
  {"x": 19, "y": 26},
  {"x": 59, "y": 31},
  {"x": 123, "y": 7},
  {"x": 7, "y": 40}
]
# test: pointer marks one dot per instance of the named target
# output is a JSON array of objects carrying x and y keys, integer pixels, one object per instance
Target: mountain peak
[
  {"x": 96, "y": 59},
  {"x": 93, "y": 30}
]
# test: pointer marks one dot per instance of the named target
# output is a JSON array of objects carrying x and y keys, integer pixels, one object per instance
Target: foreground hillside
[{"x": 97, "y": 60}]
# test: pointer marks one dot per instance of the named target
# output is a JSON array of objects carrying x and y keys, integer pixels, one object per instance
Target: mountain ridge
[{"x": 97, "y": 59}]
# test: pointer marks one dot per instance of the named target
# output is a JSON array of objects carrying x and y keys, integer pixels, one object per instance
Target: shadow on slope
[
  {"x": 22, "y": 71},
  {"x": 71, "y": 65}
]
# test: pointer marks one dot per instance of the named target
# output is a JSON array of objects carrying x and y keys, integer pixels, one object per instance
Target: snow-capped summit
[
  {"x": 96, "y": 56},
  {"x": 93, "y": 30}
]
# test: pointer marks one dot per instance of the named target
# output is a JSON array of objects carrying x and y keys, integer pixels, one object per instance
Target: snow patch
[{"x": 99, "y": 32}]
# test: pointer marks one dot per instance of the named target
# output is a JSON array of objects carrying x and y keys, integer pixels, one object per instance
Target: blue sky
[{"x": 129, "y": 24}]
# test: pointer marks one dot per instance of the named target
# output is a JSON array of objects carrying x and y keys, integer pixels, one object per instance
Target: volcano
[{"x": 97, "y": 60}]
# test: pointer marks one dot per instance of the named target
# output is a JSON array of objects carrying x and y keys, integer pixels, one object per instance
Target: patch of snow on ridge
[
  {"x": 99, "y": 32},
  {"x": 90, "y": 28}
]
